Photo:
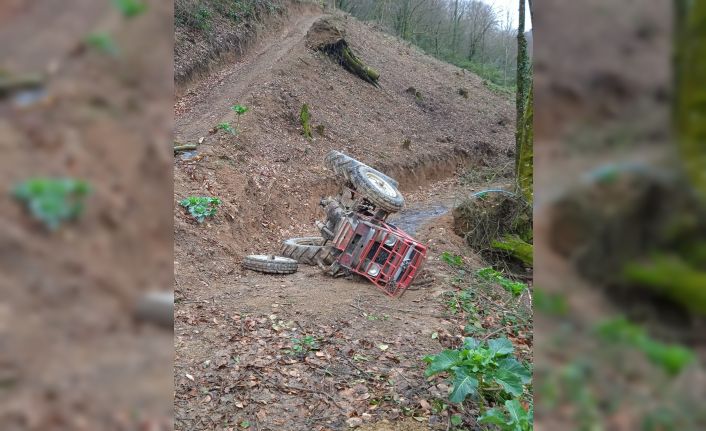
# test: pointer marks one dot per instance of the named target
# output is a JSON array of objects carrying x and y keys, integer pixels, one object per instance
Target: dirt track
[{"x": 233, "y": 327}]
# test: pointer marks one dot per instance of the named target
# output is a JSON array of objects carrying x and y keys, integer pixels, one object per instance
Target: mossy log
[
  {"x": 184, "y": 147},
  {"x": 305, "y": 119},
  {"x": 327, "y": 37},
  {"x": 673, "y": 278},
  {"x": 515, "y": 247},
  {"x": 342, "y": 53}
]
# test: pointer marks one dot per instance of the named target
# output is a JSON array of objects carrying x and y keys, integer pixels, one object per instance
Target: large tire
[
  {"x": 309, "y": 251},
  {"x": 377, "y": 189},
  {"x": 270, "y": 264},
  {"x": 344, "y": 166}
]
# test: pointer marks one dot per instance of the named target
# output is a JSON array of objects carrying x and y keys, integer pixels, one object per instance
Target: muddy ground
[
  {"x": 234, "y": 329},
  {"x": 72, "y": 355}
]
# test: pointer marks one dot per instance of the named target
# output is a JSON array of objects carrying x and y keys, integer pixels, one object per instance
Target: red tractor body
[{"x": 380, "y": 252}]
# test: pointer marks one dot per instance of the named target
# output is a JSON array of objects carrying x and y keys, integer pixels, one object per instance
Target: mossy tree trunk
[
  {"x": 690, "y": 101},
  {"x": 525, "y": 161},
  {"x": 525, "y": 96},
  {"x": 522, "y": 72}
]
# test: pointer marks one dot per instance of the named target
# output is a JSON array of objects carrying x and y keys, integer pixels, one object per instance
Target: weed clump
[
  {"x": 226, "y": 127},
  {"x": 304, "y": 119},
  {"x": 201, "y": 207},
  {"x": 130, "y": 8},
  {"x": 53, "y": 201},
  {"x": 103, "y": 43}
]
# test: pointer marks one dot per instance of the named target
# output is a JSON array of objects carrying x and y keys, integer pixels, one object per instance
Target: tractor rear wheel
[
  {"x": 344, "y": 166},
  {"x": 270, "y": 264},
  {"x": 377, "y": 189},
  {"x": 309, "y": 250}
]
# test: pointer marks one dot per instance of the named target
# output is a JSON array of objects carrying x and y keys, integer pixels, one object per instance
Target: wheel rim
[{"x": 380, "y": 184}]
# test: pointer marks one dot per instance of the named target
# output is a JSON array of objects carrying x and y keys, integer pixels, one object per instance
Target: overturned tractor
[{"x": 355, "y": 236}]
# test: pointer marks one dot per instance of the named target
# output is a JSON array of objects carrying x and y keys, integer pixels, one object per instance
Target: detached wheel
[
  {"x": 270, "y": 264},
  {"x": 344, "y": 167},
  {"x": 377, "y": 189},
  {"x": 309, "y": 250}
]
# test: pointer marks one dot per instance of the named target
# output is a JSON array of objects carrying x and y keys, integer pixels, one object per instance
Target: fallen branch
[
  {"x": 10, "y": 83},
  {"x": 185, "y": 147}
]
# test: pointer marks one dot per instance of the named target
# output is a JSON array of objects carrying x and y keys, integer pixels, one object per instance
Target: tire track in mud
[{"x": 234, "y": 82}]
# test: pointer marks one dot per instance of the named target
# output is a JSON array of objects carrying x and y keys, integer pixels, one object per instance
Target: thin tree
[{"x": 522, "y": 81}]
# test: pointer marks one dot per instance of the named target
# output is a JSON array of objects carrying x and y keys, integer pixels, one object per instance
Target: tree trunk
[
  {"x": 454, "y": 34},
  {"x": 525, "y": 158},
  {"x": 522, "y": 72},
  {"x": 690, "y": 101}
]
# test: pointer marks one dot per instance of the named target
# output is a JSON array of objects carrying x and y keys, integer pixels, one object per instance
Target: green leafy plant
[
  {"x": 53, "y": 200},
  {"x": 239, "y": 110},
  {"x": 201, "y": 18},
  {"x": 513, "y": 417},
  {"x": 304, "y": 345},
  {"x": 489, "y": 274},
  {"x": 201, "y": 207},
  {"x": 226, "y": 127},
  {"x": 451, "y": 259},
  {"x": 130, "y": 8},
  {"x": 461, "y": 301},
  {"x": 478, "y": 367},
  {"x": 549, "y": 303},
  {"x": 672, "y": 358},
  {"x": 103, "y": 43}
]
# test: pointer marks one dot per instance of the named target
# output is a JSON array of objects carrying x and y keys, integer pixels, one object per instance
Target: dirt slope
[
  {"x": 233, "y": 327},
  {"x": 270, "y": 177},
  {"x": 72, "y": 356}
]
